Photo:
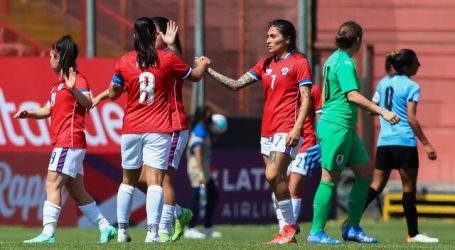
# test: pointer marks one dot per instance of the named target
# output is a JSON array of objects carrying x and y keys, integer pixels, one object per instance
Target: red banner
[{"x": 25, "y": 83}]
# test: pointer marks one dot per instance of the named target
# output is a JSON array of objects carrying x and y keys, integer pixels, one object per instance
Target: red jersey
[
  {"x": 281, "y": 81},
  {"x": 309, "y": 134},
  {"x": 67, "y": 114},
  {"x": 147, "y": 109},
  {"x": 179, "y": 118}
]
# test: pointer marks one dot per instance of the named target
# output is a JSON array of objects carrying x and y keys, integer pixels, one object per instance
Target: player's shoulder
[
  {"x": 128, "y": 57},
  {"x": 200, "y": 130}
]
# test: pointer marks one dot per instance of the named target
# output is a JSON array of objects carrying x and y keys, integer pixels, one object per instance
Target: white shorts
[
  {"x": 298, "y": 165},
  {"x": 277, "y": 143},
  {"x": 179, "y": 141},
  {"x": 151, "y": 149},
  {"x": 67, "y": 161}
]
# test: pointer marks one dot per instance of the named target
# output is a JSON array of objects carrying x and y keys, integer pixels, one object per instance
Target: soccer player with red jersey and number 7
[{"x": 286, "y": 79}]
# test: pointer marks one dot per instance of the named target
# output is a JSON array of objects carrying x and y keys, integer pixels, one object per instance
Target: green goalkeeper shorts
[{"x": 340, "y": 146}]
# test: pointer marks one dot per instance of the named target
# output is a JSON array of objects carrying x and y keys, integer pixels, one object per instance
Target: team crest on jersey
[
  {"x": 268, "y": 71},
  {"x": 339, "y": 159},
  {"x": 60, "y": 87},
  {"x": 284, "y": 71}
]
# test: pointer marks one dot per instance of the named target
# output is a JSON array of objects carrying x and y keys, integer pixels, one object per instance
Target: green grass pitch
[{"x": 390, "y": 234}]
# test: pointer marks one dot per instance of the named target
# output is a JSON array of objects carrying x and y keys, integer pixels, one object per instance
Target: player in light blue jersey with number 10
[{"x": 397, "y": 145}]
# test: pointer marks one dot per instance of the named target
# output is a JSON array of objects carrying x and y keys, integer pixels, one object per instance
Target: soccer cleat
[
  {"x": 42, "y": 238},
  {"x": 321, "y": 238},
  {"x": 165, "y": 237},
  {"x": 287, "y": 235},
  {"x": 357, "y": 234},
  {"x": 107, "y": 234},
  {"x": 421, "y": 238},
  {"x": 150, "y": 238},
  {"x": 193, "y": 233},
  {"x": 343, "y": 225},
  {"x": 181, "y": 222},
  {"x": 123, "y": 236},
  {"x": 209, "y": 232}
]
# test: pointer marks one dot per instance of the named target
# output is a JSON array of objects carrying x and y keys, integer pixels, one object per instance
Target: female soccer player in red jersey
[
  {"x": 172, "y": 213},
  {"x": 307, "y": 159},
  {"x": 147, "y": 75},
  {"x": 69, "y": 100},
  {"x": 286, "y": 79}
]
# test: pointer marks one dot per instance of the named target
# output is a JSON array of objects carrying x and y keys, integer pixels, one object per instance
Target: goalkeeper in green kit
[{"x": 340, "y": 143}]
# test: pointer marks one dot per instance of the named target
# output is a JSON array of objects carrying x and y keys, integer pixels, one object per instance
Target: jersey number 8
[{"x": 146, "y": 87}]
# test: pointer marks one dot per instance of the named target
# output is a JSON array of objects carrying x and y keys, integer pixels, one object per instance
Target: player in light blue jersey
[{"x": 397, "y": 145}]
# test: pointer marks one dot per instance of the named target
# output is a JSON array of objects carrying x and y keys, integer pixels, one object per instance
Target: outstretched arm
[
  {"x": 235, "y": 85},
  {"x": 355, "y": 97},
  {"x": 41, "y": 113},
  {"x": 99, "y": 98}
]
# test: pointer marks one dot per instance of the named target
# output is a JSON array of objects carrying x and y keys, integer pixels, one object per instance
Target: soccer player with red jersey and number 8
[
  {"x": 286, "y": 79},
  {"x": 69, "y": 100},
  {"x": 147, "y": 75}
]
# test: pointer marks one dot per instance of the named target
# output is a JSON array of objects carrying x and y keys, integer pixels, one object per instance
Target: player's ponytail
[
  {"x": 144, "y": 42},
  {"x": 286, "y": 29},
  {"x": 398, "y": 61},
  {"x": 389, "y": 59},
  {"x": 68, "y": 51}
]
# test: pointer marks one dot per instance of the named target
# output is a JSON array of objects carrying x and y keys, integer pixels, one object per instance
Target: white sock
[
  {"x": 296, "y": 206},
  {"x": 154, "y": 206},
  {"x": 279, "y": 215},
  {"x": 94, "y": 215},
  {"x": 167, "y": 219},
  {"x": 178, "y": 211},
  {"x": 124, "y": 201},
  {"x": 286, "y": 210},
  {"x": 280, "y": 218},
  {"x": 51, "y": 212}
]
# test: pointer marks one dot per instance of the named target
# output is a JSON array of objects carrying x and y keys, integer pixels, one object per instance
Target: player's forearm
[
  {"x": 41, "y": 113},
  {"x": 198, "y": 72},
  {"x": 83, "y": 99},
  {"x": 115, "y": 91},
  {"x": 415, "y": 126},
  {"x": 363, "y": 102},
  {"x": 305, "y": 100},
  {"x": 243, "y": 81},
  {"x": 103, "y": 95}
]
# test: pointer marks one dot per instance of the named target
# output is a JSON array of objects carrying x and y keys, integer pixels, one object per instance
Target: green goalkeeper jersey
[{"x": 340, "y": 77}]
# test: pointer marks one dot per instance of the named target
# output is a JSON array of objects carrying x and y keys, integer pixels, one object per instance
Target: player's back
[{"x": 148, "y": 88}]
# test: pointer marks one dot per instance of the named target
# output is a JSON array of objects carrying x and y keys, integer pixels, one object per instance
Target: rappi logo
[{"x": 103, "y": 127}]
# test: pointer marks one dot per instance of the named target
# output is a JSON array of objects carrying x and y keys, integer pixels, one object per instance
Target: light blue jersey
[{"x": 393, "y": 93}]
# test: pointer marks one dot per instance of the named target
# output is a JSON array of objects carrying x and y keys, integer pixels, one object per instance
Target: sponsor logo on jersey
[
  {"x": 284, "y": 71},
  {"x": 60, "y": 87}
]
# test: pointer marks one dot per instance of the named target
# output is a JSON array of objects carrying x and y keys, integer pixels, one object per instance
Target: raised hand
[
  {"x": 70, "y": 80},
  {"x": 171, "y": 33}
]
